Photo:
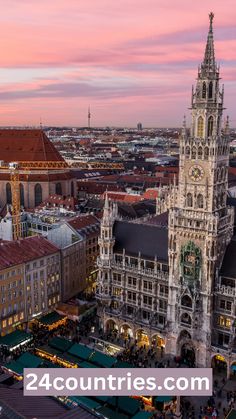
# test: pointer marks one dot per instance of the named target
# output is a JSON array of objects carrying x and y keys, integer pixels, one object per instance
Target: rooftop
[
  {"x": 24, "y": 250},
  {"x": 27, "y": 145}
]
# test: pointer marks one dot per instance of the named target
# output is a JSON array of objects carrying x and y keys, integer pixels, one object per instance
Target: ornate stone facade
[{"x": 180, "y": 295}]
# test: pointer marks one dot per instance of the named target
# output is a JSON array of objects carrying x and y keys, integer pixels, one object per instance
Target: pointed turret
[{"x": 209, "y": 64}]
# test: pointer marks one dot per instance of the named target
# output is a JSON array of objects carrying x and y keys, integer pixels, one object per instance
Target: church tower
[{"x": 200, "y": 223}]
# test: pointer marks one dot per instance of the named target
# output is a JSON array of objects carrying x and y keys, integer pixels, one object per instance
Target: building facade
[
  {"x": 42, "y": 170},
  {"x": 175, "y": 286},
  {"x": 30, "y": 281}
]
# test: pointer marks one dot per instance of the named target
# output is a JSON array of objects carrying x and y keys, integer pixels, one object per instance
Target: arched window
[
  {"x": 200, "y": 152},
  {"x": 206, "y": 153},
  {"x": 58, "y": 189},
  {"x": 186, "y": 319},
  {"x": 200, "y": 201},
  {"x": 186, "y": 301},
  {"x": 200, "y": 127},
  {"x": 38, "y": 194},
  {"x": 22, "y": 198},
  {"x": 204, "y": 90},
  {"x": 210, "y": 126},
  {"x": 8, "y": 193},
  {"x": 210, "y": 90},
  {"x": 72, "y": 191},
  {"x": 189, "y": 200},
  {"x": 187, "y": 151},
  {"x": 194, "y": 153}
]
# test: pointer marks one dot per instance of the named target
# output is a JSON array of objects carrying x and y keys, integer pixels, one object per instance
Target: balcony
[
  {"x": 227, "y": 291},
  {"x": 136, "y": 270}
]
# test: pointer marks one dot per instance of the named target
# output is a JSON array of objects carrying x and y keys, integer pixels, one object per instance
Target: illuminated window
[
  {"x": 4, "y": 323},
  {"x": 10, "y": 321},
  {"x": 200, "y": 126},
  {"x": 16, "y": 318}
]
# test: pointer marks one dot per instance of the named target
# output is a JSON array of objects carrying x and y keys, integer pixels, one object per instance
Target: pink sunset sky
[{"x": 130, "y": 60}]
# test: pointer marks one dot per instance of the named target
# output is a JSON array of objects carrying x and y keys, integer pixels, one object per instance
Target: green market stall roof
[
  {"x": 15, "y": 339},
  {"x": 80, "y": 351},
  {"x": 143, "y": 415},
  {"x": 108, "y": 413},
  {"x": 232, "y": 414},
  {"x": 86, "y": 401},
  {"x": 102, "y": 360},
  {"x": 60, "y": 344},
  {"x": 51, "y": 320},
  {"x": 163, "y": 399},
  {"x": 15, "y": 367},
  {"x": 126, "y": 404},
  {"x": 30, "y": 361}
]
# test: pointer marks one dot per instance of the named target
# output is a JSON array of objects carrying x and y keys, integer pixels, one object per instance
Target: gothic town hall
[{"x": 170, "y": 281}]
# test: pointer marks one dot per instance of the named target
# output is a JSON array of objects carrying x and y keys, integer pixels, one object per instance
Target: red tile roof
[
  {"x": 52, "y": 201},
  {"x": 24, "y": 250},
  {"x": 83, "y": 221},
  {"x": 27, "y": 145}
]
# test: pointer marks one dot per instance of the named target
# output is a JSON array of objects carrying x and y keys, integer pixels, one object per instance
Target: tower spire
[{"x": 209, "y": 57}]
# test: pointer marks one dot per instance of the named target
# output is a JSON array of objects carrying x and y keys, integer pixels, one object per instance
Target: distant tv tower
[{"x": 89, "y": 116}]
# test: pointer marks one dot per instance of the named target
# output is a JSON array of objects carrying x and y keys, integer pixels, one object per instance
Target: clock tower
[{"x": 200, "y": 223}]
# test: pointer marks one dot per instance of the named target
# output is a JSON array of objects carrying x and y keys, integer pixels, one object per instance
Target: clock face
[{"x": 196, "y": 173}]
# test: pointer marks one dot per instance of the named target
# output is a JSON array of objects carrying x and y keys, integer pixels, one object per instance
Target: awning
[
  {"x": 110, "y": 414},
  {"x": 87, "y": 402},
  {"x": 143, "y": 415},
  {"x": 15, "y": 367},
  {"x": 232, "y": 414},
  {"x": 102, "y": 360},
  {"x": 85, "y": 364},
  {"x": 51, "y": 320},
  {"x": 30, "y": 361},
  {"x": 126, "y": 404},
  {"x": 80, "y": 351},
  {"x": 233, "y": 367},
  {"x": 60, "y": 344},
  {"x": 163, "y": 399},
  {"x": 15, "y": 339}
]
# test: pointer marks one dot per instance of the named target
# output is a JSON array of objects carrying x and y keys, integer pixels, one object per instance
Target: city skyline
[{"x": 129, "y": 62}]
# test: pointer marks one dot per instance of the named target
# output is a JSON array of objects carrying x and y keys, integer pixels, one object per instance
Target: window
[
  {"x": 210, "y": 126},
  {"x": 200, "y": 201},
  {"x": 132, "y": 282},
  {"x": 132, "y": 296},
  {"x": 200, "y": 127},
  {"x": 186, "y": 301},
  {"x": 200, "y": 153},
  {"x": 8, "y": 193},
  {"x": 38, "y": 194},
  {"x": 147, "y": 286},
  {"x": 163, "y": 305},
  {"x": 210, "y": 90},
  {"x": 72, "y": 192},
  {"x": 223, "y": 339},
  {"x": 189, "y": 200},
  {"x": 164, "y": 290},
  {"x": 58, "y": 189},
  {"x": 147, "y": 300},
  {"x": 224, "y": 322},
  {"x": 204, "y": 90},
  {"x": 206, "y": 153},
  {"x": 225, "y": 305},
  {"x": 117, "y": 277}
]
